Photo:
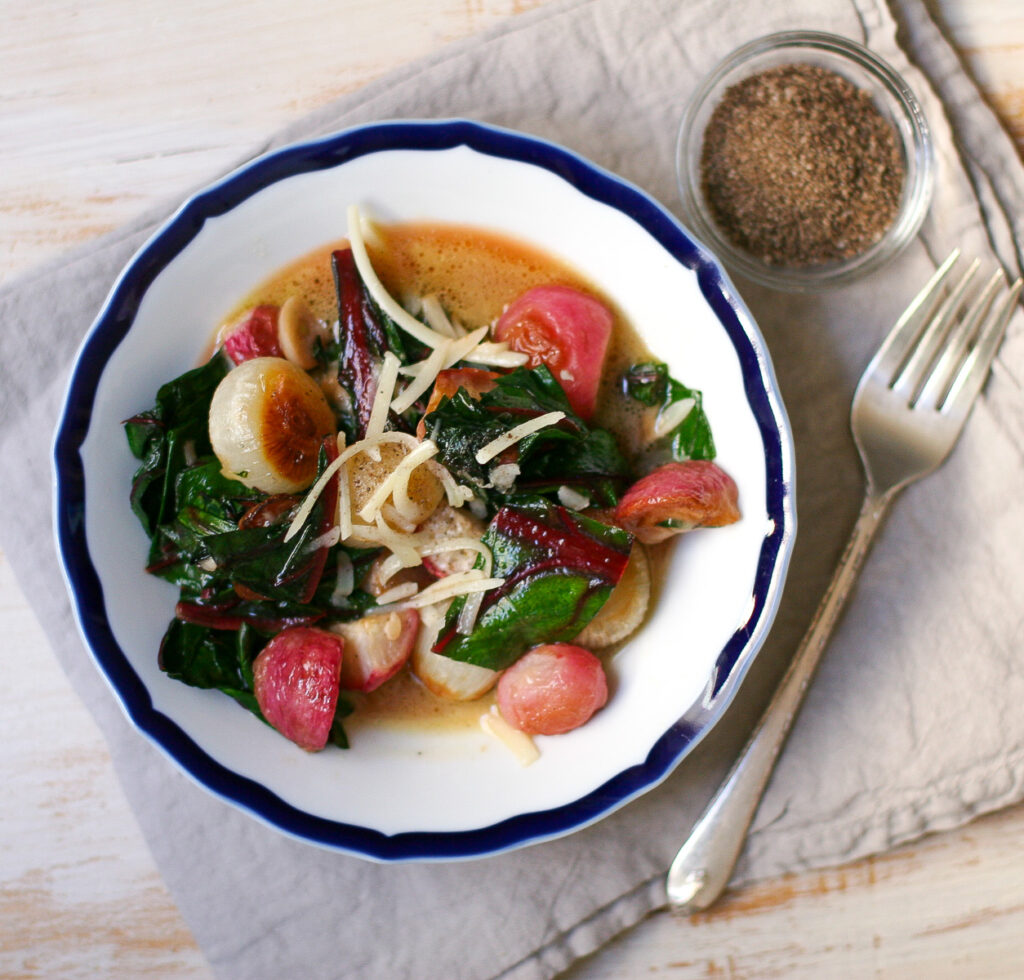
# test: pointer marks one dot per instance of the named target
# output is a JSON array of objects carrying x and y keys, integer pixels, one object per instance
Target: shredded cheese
[
  {"x": 468, "y": 613},
  {"x": 382, "y": 399},
  {"x": 513, "y": 435},
  {"x": 456, "y": 493},
  {"x": 518, "y": 743},
  {"x": 461, "y": 583},
  {"x": 398, "y": 544},
  {"x": 383, "y": 298},
  {"x": 497, "y": 355},
  {"x": 402, "y": 591},
  {"x": 672, "y": 415},
  {"x": 306, "y": 507},
  {"x": 437, "y": 318},
  {"x": 423, "y": 378}
]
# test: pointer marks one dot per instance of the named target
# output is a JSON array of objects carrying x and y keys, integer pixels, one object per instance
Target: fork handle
[{"x": 704, "y": 863}]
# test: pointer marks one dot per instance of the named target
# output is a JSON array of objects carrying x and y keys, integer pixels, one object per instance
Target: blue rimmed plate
[{"x": 400, "y": 793}]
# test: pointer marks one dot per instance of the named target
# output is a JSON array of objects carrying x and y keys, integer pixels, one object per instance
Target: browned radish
[
  {"x": 677, "y": 497},
  {"x": 449, "y": 524},
  {"x": 552, "y": 689},
  {"x": 376, "y": 648},
  {"x": 254, "y": 335},
  {"x": 295, "y": 680},
  {"x": 443, "y": 676},
  {"x": 625, "y": 608},
  {"x": 568, "y": 331}
]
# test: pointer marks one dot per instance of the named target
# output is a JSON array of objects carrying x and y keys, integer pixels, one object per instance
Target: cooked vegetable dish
[{"x": 376, "y": 475}]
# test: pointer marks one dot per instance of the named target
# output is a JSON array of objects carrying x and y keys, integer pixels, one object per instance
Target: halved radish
[
  {"x": 447, "y": 678},
  {"x": 565, "y": 329},
  {"x": 552, "y": 689},
  {"x": 677, "y": 497},
  {"x": 625, "y": 608},
  {"x": 255, "y": 335},
  {"x": 376, "y": 648},
  {"x": 295, "y": 680},
  {"x": 448, "y": 524}
]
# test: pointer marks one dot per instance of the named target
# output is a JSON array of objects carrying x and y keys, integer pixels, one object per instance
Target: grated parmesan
[
  {"x": 459, "y": 583},
  {"x": 423, "y": 378},
  {"x": 513, "y": 435},
  {"x": 672, "y": 416},
  {"x": 518, "y": 743},
  {"x": 383, "y": 298}
]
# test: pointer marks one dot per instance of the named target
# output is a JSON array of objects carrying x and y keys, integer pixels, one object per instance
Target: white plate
[{"x": 430, "y": 795}]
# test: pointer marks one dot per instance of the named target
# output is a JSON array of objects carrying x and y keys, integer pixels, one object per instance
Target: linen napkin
[{"x": 913, "y": 724}]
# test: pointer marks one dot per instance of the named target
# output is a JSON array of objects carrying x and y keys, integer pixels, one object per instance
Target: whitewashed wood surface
[{"x": 110, "y": 107}]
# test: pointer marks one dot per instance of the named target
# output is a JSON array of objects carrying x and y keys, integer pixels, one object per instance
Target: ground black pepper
[{"x": 799, "y": 167}]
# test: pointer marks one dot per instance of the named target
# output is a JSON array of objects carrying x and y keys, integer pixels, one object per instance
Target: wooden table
[{"x": 108, "y": 108}]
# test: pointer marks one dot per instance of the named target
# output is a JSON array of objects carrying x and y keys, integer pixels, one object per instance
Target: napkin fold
[{"x": 913, "y": 724}]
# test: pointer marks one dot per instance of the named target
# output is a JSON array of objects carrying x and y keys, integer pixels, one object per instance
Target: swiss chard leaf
[
  {"x": 207, "y": 658},
  {"x": 651, "y": 385},
  {"x": 366, "y": 334},
  {"x": 166, "y": 437},
  {"x": 569, "y": 453},
  {"x": 559, "y": 568},
  {"x": 216, "y": 659}
]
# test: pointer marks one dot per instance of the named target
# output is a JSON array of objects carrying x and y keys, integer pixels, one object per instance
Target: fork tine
[
  {"x": 972, "y": 375},
  {"x": 894, "y": 348},
  {"x": 942, "y": 375},
  {"x": 934, "y": 334}
]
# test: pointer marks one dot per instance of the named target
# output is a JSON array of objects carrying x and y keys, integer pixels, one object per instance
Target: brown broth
[{"x": 475, "y": 274}]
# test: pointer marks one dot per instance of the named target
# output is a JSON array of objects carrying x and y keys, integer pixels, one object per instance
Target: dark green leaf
[{"x": 559, "y": 568}]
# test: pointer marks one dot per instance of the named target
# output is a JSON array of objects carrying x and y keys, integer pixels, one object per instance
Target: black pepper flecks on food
[{"x": 799, "y": 167}]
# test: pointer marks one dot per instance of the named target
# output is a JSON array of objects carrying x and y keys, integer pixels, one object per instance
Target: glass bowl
[{"x": 890, "y": 95}]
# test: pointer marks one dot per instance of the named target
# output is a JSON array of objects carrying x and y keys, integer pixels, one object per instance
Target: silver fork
[{"x": 908, "y": 411}]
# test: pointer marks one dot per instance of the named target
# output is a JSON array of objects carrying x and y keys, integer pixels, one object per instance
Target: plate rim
[{"x": 112, "y": 324}]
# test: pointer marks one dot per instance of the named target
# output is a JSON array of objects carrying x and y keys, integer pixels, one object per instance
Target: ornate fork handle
[{"x": 704, "y": 864}]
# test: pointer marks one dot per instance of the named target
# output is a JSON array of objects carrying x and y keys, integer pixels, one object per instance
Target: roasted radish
[
  {"x": 445, "y": 527},
  {"x": 565, "y": 329},
  {"x": 625, "y": 608},
  {"x": 552, "y": 689},
  {"x": 255, "y": 335},
  {"x": 295, "y": 679},
  {"x": 376, "y": 648},
  {"x": 267, "y": 421},
  {"x": 441, "y": 675},
  {"x": 677, "y": 497}
]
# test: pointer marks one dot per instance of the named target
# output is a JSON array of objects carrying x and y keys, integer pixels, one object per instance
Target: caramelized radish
[
  {"x": 565, "y": 329},
  {"x": 255, "y": 335},
  {"x": 677, "y": 497},
  {"x": 267, "y": 421},
  {"x": 295, "y": 679},
  {"x": 447, "y": 678},
  {"x": 446, "y": 524},
  {"x": 625, "y": 608},
  {"x": 376, "y": 648},
  {"x": 552, "y": 689}
]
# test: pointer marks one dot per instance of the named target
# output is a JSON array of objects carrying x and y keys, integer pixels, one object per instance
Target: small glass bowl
[{"x": 892, "y": 98}]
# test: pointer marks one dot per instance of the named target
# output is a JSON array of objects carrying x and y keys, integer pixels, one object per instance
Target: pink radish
[
  {"x": 295, "y": 679},
  {"x": 552, "y": 689}
]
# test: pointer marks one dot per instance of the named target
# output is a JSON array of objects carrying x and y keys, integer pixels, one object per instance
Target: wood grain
[{"x": 108, "y": 109}]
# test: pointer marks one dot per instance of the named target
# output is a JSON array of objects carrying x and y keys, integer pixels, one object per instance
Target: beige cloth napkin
[{"x": 914, "y": 723}]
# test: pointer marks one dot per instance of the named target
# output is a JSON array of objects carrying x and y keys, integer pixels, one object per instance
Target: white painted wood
[{"x": 109, "y": 108}]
